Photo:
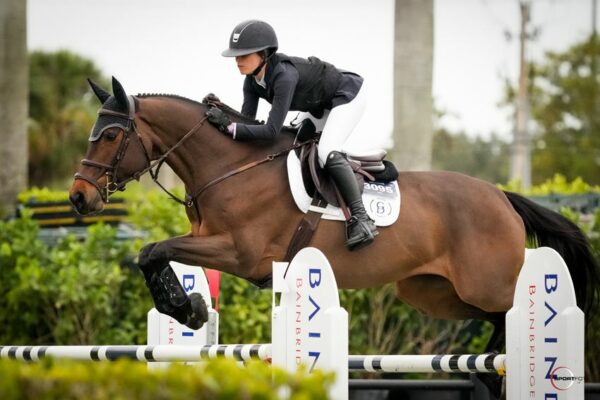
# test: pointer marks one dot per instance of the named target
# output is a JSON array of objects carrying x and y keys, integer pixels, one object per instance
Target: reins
[
  {"x": 243, "y": 168},
  {"x": 153, "y": 167},
  {"x": 158, "y": 163}
]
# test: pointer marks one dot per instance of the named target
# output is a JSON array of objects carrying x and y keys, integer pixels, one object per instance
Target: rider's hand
[
  {"x": 210, "y": 98},
  {"x": 306, "y": 131},
  {"x": 219, "y": 119}
]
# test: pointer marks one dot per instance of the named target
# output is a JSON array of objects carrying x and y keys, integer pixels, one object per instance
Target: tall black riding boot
[{"x": 360, "y": 228}]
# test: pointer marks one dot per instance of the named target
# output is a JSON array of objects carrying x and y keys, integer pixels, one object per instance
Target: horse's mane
[{"x": 227, "y": 109}]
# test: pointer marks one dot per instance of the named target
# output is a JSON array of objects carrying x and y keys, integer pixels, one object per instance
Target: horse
[{"x": 454, "y": 253}]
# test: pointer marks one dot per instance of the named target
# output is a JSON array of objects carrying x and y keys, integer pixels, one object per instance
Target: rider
[{"x": 332, "y": 98}]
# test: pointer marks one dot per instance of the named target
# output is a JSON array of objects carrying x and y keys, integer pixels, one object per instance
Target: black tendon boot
[
  {"x": 168, "y": 294},
  {"x": 360, "y": 228},
  {"x": 170, "y": 298}
]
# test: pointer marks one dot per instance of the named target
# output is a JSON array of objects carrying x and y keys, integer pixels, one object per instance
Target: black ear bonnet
[{"x": 119, "y": 102}]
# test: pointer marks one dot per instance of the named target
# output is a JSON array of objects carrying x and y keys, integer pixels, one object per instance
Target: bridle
[
  {"x": 153, "y": 167},
  {"x": 110, "y": 170}
]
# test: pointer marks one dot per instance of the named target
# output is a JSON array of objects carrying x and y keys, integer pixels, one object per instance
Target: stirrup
[{"x": 365, "y": 237}]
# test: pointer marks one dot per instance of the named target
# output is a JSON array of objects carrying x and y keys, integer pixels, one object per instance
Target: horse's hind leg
[
  {"x": 435, "y": 296},
  {"x": 495, "y": 345},
  {"x": 166, "y": 290},
  {"x": 498, "y": 339}
]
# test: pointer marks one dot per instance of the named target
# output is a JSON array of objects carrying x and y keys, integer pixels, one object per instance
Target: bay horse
[{"x": 454, "y": 253}]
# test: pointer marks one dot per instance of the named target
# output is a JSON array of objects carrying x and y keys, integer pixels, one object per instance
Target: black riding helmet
[{"x": 251, "y": 37}]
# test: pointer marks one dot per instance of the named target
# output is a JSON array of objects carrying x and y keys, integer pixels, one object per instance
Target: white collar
[{"x": 262, "y": 81}]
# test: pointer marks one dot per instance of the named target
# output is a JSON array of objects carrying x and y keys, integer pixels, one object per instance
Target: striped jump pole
[
  {"x": 160, "y": 353},
  {"x": 491, "y": 363},
  {"x": 463, "y": 363}
]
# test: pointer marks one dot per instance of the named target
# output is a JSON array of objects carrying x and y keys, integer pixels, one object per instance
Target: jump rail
[
  {"x": 482, "y": 363},
  {"x": 160, "y": 353},
  {"x": 492, "y": 363}
]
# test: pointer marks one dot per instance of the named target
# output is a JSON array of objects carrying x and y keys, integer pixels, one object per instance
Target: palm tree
[
  {"x": 61, "y": 112},
  {"x": 413, "y": 70},
  {"x": 13, "y": 102}
]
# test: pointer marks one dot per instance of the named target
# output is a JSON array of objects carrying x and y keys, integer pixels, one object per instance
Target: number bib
[{"x": 382, "y": 202}]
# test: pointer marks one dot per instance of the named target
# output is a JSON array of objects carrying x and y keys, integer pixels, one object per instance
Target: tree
[
  {"x": 62, "y": 110},
  {"x": 564, "y": 107},
  {"x": 478, "y": 157},
  {"x": 413, "y": 74},
  {"x": 13, "y": 102}
]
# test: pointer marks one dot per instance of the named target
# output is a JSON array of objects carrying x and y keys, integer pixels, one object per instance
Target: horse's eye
[{"x": 111, "y": 135}]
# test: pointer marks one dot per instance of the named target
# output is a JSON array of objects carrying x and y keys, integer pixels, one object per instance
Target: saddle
[
  {"x": 370, "y": 166},
  {"x": 320, "y": 187}
]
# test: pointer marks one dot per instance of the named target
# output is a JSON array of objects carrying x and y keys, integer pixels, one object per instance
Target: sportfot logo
[{"x": 562, "y": 378}]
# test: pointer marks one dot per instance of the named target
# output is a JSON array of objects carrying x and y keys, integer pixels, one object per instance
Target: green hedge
[
  {"x": 72, "y": 293},
  {"x": 213, "y": 379},
  {"x": 558, "y": 184}
]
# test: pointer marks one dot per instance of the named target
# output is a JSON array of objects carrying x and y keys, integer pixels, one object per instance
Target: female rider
[{"x": 332, "y": 98}]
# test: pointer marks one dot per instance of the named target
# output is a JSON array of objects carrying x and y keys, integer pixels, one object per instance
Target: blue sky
[{"x": 174, "y": 47}]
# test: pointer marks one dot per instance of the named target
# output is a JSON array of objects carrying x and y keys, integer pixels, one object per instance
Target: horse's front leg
[{"x": 167, "y": 292}]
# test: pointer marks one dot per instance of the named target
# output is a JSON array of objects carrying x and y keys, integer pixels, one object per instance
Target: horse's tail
[{"x": 548, "y": 228}]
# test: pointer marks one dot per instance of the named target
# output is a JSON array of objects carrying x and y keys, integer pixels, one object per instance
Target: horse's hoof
[{"x": 199, "y": 313}]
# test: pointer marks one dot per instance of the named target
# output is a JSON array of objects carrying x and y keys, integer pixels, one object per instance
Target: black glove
[
  {"x": 211, "y": 98},
  {"x": 219, "y": 119},
  {"x": 306, "y": 131}
]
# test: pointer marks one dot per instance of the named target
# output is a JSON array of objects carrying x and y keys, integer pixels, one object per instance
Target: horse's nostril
[{"x": 77, "y": 199}]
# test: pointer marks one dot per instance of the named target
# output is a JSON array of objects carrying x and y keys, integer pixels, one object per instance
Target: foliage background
[
  {"x": 564, "y": 105},
  {"x": 61, "y": 110}
]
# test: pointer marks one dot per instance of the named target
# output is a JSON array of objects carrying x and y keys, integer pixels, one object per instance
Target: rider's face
[{"x": 248, "y": 63}]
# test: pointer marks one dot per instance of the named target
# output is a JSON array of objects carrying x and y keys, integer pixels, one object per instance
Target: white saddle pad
[{"x": 381, "y": 200}]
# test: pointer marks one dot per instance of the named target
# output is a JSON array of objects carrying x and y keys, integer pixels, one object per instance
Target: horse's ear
[
  {"x": 100, "y": 93},
  {"x": 120, "y": 94}
]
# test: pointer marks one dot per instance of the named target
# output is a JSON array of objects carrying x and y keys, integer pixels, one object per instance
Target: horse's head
[{"x": 115, "y": 155}]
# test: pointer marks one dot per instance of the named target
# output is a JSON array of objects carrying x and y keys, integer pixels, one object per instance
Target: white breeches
[{"x": 338, "y": 124}]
